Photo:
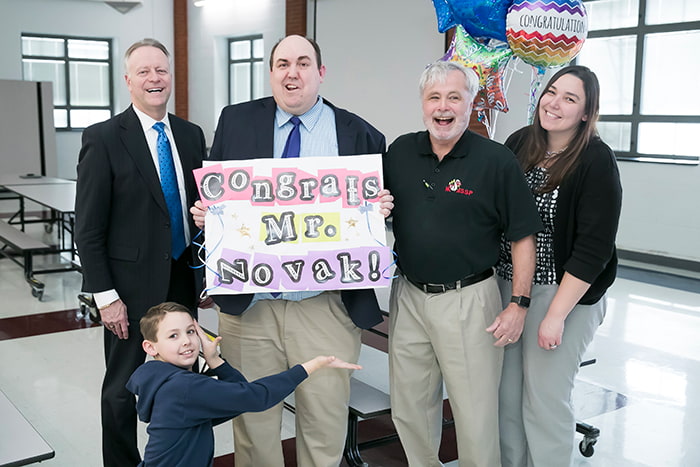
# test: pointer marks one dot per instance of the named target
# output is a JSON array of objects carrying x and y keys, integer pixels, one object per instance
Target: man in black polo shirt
[{"x": 455, "y": 194}]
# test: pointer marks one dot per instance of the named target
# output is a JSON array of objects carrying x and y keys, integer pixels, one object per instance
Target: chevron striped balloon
[{"x": 546, "y": 33}]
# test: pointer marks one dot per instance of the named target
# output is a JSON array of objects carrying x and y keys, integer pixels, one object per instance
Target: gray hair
[
  {"x": 437, "y": 72},
  {"x": 147, "y": 42}
]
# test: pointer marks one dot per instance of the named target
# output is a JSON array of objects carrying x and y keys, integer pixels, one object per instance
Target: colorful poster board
[{"x": 279, "y": 225}]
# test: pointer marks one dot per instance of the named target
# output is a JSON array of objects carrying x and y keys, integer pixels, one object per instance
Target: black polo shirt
[{"x": 449, "y": 215}]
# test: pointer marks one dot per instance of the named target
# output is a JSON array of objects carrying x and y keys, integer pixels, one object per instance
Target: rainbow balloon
[{"x": 546, "y": 33}]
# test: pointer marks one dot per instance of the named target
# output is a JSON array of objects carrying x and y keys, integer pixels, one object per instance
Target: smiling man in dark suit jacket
[
  {"x": 129, "y": 257},
  {"x": 265, "y": 334}
]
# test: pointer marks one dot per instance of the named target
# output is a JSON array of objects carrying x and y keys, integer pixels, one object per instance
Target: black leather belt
[{"x": 441, "y": 288}]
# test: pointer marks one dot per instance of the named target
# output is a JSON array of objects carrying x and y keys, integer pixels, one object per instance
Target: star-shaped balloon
[
  {"x": 481, "y": 18},
  {"x": 489, "y": 63}
]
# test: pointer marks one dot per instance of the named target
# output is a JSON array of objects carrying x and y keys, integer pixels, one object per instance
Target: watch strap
[{"x": 520, "y": 300}]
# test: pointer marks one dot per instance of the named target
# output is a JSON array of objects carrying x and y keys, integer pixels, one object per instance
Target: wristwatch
[{"x": 520, "y": 300}]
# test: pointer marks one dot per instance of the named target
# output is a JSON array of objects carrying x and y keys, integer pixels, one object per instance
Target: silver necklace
[{"x": 550, "y": 154}]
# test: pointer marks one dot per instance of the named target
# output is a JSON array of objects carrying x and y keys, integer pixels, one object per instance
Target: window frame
[
  {"x": 251, "y": 60},
  {"x": 640, "y": 32},
  {"x": 68, "y": 107}
]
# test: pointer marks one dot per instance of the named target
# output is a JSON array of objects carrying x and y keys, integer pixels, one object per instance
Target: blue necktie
[
  {"x": 293, "y": 144},
  {"x": 291, "y": 149},
  {"x": 168, "y": 182}
]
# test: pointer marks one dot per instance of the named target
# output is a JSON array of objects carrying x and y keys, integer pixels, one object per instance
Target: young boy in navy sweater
[{"x": 182, "y": 407}]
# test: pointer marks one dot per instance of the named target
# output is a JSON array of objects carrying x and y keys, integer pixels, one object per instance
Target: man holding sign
[{"x": 265, "y": 333}]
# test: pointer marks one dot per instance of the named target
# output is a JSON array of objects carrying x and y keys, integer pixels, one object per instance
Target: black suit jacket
[
  {"x": 246, "y": 131},
  {"x": 122, "y": 226}
]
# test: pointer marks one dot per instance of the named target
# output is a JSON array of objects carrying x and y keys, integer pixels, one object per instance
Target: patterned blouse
[{"x": 547, "y": 207}]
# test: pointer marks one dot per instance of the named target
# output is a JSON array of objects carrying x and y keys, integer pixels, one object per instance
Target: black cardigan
[{"x": 588, "y": 213}]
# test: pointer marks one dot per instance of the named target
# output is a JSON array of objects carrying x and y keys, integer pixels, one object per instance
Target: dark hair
[
  {"x": 147, "y": 42},
  {"x": 313, "y": 43},
  {"x": 534, "y": 147},
  {"x": 155, "y": 315}
]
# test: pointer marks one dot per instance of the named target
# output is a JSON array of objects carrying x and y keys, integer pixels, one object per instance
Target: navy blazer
[
  {"x": 246, "y": 131},
  {"x": 122, "y": 226}
]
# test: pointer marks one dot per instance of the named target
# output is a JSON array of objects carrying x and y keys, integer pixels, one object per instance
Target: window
[
  {"x": 643, "y": 52},
  {"x": 246, "y": 70},
  {"x": 81, "y": 72}
]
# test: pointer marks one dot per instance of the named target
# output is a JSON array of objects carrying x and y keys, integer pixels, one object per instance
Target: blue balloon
[{"x": 481, "y": 18}]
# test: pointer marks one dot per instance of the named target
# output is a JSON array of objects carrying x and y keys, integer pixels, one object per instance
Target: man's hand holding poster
[{"x": 277, "y": 225}]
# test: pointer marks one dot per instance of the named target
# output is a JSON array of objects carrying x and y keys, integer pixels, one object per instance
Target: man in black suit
[
  {"x": 132, "y": 229},
  {"x": 264, "y": 334}
]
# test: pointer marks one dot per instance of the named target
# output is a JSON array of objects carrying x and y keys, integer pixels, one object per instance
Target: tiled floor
[{"x": 643, "y": 393}]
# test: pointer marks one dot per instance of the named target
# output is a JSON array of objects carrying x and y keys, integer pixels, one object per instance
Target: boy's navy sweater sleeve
[
  {"x": 255, "y": 396},
  {"x": 172, "y": 397},
  {"x": 231, "y": 395},
  {"x": 226, "y": 372}
]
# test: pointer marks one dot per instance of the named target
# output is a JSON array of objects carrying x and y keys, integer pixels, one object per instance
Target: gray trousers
[
  {"x": 436, "y": 336},
  {"x": 536, "y": 415}
]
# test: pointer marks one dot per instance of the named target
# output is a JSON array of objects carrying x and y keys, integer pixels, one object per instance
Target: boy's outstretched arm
[
  {"x": 330, "y": 362},
  {"x": 210, "y": 348}
]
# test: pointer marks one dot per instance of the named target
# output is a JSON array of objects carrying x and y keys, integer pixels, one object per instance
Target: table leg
[
  {"x": 352, "y": 452},
  {"x": 36, "y": 285}
]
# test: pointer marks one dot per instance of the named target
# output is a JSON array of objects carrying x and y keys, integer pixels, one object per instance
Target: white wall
[
  {"x": 660, "y": 210},
  {"x": 209, "y": 27},
  {"x": 374, "y": 52},
  {"x": 80, "y": 18},
  {"x": 518, "y": 96}
]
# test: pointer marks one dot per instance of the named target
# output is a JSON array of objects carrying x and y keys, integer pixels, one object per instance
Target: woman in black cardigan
[{"x": 576, "y": 184}]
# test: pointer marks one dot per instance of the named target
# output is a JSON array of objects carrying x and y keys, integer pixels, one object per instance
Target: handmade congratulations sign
[{"x": 277, "y": 225}]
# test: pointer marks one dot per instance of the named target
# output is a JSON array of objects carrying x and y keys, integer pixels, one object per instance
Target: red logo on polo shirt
[{"x": 455, "y": 186}]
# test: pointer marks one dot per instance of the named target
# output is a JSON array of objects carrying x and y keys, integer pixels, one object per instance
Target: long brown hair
[{"x": 534, "y": 147}]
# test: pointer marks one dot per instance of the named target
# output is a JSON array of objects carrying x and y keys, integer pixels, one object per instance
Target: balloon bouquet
[{"x": 489, "y": 33}]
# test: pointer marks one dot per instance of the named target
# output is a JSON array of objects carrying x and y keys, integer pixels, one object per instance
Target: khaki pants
[
  {"x": 443, "y": 336},
  {"x": 272, "y": 336}
]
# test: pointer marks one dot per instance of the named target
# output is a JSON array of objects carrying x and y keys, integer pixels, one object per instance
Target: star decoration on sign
[{"x": 244, "y": 231}]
